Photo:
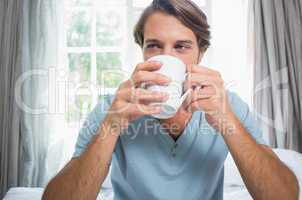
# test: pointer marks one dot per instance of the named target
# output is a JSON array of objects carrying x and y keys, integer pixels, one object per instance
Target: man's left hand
[{"x": 209, "y": 94}]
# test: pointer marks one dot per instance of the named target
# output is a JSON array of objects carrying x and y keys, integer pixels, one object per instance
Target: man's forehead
[{"x": 163, "y": 27}]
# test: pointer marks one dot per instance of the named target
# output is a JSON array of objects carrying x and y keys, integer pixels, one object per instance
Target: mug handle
[{"x": 184, "y": 96}]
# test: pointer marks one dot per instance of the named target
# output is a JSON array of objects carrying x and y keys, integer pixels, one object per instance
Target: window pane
[
  {"x": 79, "y": 67},
  {"x": 111, "y": 78},
  {"x": 79, "y": 105},
  {"x": 108, "y": 60},
  {"x": 110, "y": 27},
  {"x": 80, "y": 100},
  {"x": 79, "y": 2},
  {"x": 79, "y": 28},
  {"x": 109, "y": 73}
]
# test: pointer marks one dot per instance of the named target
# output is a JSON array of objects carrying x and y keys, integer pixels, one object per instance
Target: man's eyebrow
[
  {"x": 178, "y": 41},
  {"x": 185, "y": 41},
  {"x": 152, "y": 41}
]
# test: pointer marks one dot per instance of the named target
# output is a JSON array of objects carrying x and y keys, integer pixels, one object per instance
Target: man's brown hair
[{"x": 186, "y": 11}]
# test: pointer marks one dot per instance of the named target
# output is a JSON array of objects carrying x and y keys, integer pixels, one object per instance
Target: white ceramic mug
[{"x": 175, "y": 69}]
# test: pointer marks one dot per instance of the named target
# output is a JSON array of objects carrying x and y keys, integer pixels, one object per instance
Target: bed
[{"x": 234, "y": 188}]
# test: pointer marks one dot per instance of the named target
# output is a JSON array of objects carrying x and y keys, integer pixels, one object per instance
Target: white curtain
[
  {"x": 10, "y": 25},
  {"x": 278, "y": 75},
  {"x": 40, "y": 57}
]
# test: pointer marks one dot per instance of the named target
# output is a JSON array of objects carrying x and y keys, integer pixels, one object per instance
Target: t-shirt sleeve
[
  {"x": 246, "y": 117},
  {"x": 91, "y": 125}
]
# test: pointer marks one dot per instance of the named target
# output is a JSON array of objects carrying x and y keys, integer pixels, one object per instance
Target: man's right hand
[
  {"x": 83, "y": 176},
  {"x": 132, "y": 100}
]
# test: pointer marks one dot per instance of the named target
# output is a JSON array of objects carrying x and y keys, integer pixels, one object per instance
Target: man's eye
[
  {"x": 180, "y": 47},
  {"x": 152, "y": 46}
]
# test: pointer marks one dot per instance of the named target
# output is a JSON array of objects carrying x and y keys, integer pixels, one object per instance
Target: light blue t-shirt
[{"x": 148, "y": 164}]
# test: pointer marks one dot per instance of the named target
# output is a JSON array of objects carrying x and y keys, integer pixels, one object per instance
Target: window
[
  {"x": 98, "y": 54},
  {"x": 96, "y": 39}
]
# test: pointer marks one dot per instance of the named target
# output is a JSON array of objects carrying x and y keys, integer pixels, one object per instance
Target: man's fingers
[
  {"x": 205, "y": 92},
  {"x": 146, "y": 97},
  {"x": 199, "y": 105},
  {"x": 148, "y": 66},
  {"x": 199, "y": 94},
  {"x": 198, "y": 77},
  {"x": 149, "y": 78},
  {"x": 202, "y": 69},
  {"x": 195, "y": 79},
  {"x": 136, "y": 95}
]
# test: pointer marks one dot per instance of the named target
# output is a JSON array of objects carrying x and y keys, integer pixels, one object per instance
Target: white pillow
[
  {"x": 232, "y": 176},
  {"x": 292, "y": 159}
]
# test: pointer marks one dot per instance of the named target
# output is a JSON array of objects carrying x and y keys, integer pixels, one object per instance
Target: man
[{"x": 177, "y": 158}]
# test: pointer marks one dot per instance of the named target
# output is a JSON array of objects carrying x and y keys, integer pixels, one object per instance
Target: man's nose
[{"x": 168, "y": 51}]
